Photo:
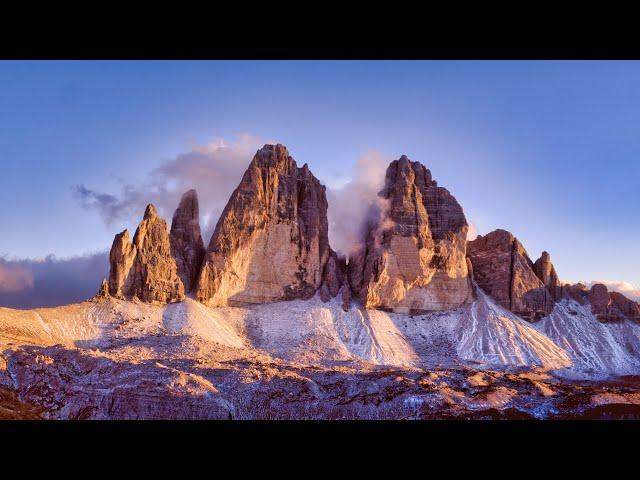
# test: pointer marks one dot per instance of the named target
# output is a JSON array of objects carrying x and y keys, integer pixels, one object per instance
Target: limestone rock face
[
  {"x": 577, "y": 292},
  {"x": 612, "y": 306},
  {"x": 271, "y": 241},
  {"x": 121, "y": 259},
  {"x": 503, "y": 269},
  {"x": 145, "y": 268},
  {"x": 333, "y": 277},
  {"x": 546, "y": 272},
  {"x": 598, "y": 296},
  {"x": 187, "y": 247},
  {"x": 414, "y": 256}
]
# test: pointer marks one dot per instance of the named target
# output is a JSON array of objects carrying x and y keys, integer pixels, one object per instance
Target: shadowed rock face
[
  {"x": 503, "y": 269},
  {"x": 414, "y": 258},
  {"x": 271, "y": 241},
  {"x": 145, "y": 268},
  {"x": 608, "y": 307},
  {"x": 546, "y": 272},
  {"x": 187, "y": 246}
]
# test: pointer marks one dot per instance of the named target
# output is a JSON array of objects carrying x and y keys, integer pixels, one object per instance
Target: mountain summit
[
  {"x": 415, "y": 254},
  {"x": 271, "y": 242},
  {"x": 187, "y": 246}
]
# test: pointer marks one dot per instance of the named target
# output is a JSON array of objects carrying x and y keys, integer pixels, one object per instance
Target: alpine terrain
[{"x": 267, "y": 321}]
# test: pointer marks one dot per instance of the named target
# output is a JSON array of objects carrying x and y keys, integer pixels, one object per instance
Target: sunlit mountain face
[{"x": 150, "y": 272}]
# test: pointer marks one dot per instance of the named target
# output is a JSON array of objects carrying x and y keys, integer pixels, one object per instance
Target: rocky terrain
[
  {"x": 268, "y": 322},
  {"x": 116, "y": 359},
  {"x": 503, "y": 269},
  {"x": 145, "y": 269}
]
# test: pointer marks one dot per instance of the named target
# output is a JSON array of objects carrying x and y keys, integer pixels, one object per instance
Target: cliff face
[
  {"x": 271, "y": 241},
  {"x": 187, "y": 247},
  {"x": 145, "y": 269},
  {"x": 414, "y": 257},
  {"x": 608, "y": 307},
  {"x": 503, "y": 269}
]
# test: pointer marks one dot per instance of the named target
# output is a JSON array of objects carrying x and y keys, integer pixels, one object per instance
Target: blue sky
[{"x": 547, "y": 150}]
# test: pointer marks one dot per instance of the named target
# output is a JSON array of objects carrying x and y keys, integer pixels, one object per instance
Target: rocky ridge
[
  {"x": 503, "y": 269},
  {"x": 608, "y": 307},
  {"x": 271, "y": 243}
]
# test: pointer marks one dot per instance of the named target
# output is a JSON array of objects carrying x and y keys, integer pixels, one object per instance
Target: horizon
[{"x": 544, "y": 150}]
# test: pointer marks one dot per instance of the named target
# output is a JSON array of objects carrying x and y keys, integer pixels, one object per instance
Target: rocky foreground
[{"x": 306, "y": 359}]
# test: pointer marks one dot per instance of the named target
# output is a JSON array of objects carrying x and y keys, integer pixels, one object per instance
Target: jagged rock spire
[
  {"x": 546, "y": 272},
  {"x": 187, "y": 246},
  {"x": 144, "y": 269}
]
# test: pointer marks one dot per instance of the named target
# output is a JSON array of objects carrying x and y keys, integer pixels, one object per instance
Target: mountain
[
  {"x": 502, "y": 268},
  {"x": 145, "y": 269},
  {"x": 414, "y": 257},
  {"x": 271, "y": 241},
  {"x": 269, "y": 322},
  {"x": 187, "y": 247}
]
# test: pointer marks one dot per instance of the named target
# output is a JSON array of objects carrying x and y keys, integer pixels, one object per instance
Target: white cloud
[
  {"x": 356, "y": 203},
  {"x": 473, "y": 232},
  {"x": 213, "y": 169}
]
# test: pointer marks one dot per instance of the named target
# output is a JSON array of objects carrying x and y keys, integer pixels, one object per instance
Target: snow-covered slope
[
  {"x": 94, "y": 324},
  {"x": 485, "y": 335},
  {"x": 497, "y": 337},
  {"x": 597, "y": 349},
  {"x": 192, "y": 318}
]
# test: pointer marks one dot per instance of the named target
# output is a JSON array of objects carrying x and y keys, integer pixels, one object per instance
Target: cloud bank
[
  {"x": 213, "y": 169},
  {"x": 356, "y": 204},
  {"x": 50, "y": 281}
]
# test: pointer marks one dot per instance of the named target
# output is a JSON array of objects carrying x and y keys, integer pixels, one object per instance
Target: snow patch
[
  {"x": 597, "y": 349},
  {"x": 494, "y": 336}
]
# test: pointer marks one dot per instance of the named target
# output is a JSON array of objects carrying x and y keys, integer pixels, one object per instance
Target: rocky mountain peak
[
  {"x": 546, "y": 272},
  {"x": 187, "y": 247},
  {"x": 274, "y": 157},
  {"x": 150, "y": 212},
  {"x": 145, "y": 269},
  {"x": 271, "y": 241},
  {"x": 414, "y": 258},
  {"x": 503, "y": 269}
]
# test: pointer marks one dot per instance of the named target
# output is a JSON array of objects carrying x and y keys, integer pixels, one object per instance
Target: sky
[{"x": 547, "y": 150}]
